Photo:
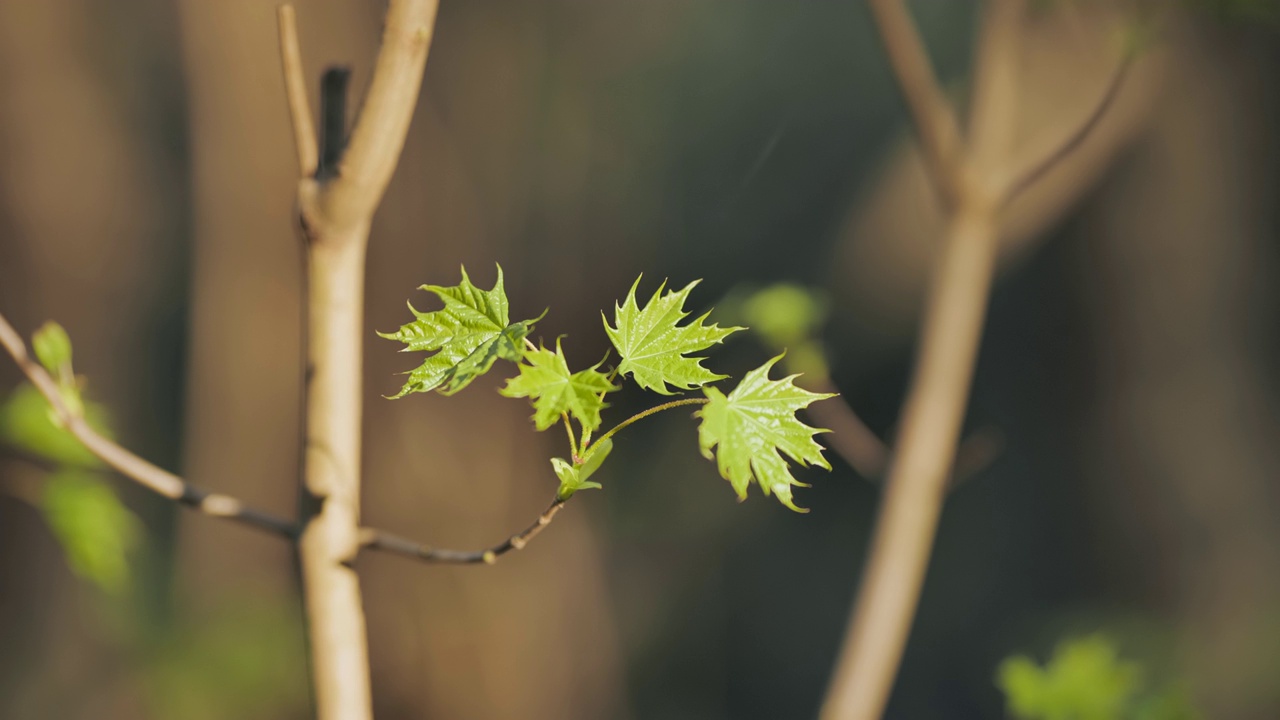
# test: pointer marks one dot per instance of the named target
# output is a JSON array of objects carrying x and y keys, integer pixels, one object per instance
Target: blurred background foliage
[{"x": 1130, "y": 362}]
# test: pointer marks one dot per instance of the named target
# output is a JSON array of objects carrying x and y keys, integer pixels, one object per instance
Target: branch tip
[{"x": 295, "y": 85}]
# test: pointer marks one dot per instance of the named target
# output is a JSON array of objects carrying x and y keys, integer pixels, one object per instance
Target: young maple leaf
[
  {"x": 471, "y": 332},
  {"x": 653, "y": 344},
  {"x": 753, "y": 426},
  {"x": 547, "y": 380}
]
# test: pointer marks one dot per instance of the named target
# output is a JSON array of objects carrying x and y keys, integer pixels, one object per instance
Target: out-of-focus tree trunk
[
  {"x": 1186, "y": 431},
  {"x": 1182, "y": 447},
  {"x": 890, "y": 237},
  {"x": 91, "y": 214}
]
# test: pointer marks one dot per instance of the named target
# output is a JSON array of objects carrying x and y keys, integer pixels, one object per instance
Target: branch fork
[{"x": 972, "y": 177}]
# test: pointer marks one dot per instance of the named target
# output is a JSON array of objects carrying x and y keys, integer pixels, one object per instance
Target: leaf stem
[
  {"x": 573, "y": 443},
  {"x": 646, "y": 413}
]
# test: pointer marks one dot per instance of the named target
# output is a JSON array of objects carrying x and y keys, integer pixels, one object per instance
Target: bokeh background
[{"x": 1130, "y": 366}]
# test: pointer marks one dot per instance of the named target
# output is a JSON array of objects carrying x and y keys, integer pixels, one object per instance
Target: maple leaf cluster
[{"x": 751, "y": 432}]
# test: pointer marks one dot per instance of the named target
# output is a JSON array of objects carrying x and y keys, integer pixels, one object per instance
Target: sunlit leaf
[
  {"x": 654, "y": 346},
  {"x": 95, "y": 529},
  {"x": 471, "y": 332},
  {"x": 751, "y": 429},
  {"x": 545, "y": 377}
]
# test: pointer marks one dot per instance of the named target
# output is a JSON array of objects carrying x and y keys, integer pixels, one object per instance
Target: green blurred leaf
[
  {"x": 53, "y": 348},
  {"x": 470, "y": 333},
  {"x": 26, "y": 423},
  {"x": 574, "y": 477},
  {"x": 545, "y": 377},
  {"x": 1084, "y": 680},
  {"x": 654, "y": 346},
  {"x": 95, "y": 529},
  {"x": 751, "y": 429},
  {"x": 785, "y": 314}
]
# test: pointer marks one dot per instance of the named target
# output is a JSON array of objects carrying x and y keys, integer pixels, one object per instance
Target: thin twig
[
  {"x": 933, "y": 117},
  {"x": 372, "y": 539},
  {"x": 1036, "y": 170},
  {"x": 644, "y": 414},
  {"x": 131, "y": 466},
  {"x": 573, "y": 442},
  {"x": 295, "y": 88}
]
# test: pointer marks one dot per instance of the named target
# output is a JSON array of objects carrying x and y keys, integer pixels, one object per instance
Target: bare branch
[
  {"x": 295, "y": 87},
  {"x": 939, "y": 391},
  {"x": 336, "y": 210},
  {"x": 1036, "y": 170},
  {"x": 933, "y": 117},
  {"x": 850, "y": 438},
  {"x": 868, "y": 455},
  {"x": 131, "y": 466},
  {"x": 373, "y": 539},
  {"x": 383, "y": 122}
]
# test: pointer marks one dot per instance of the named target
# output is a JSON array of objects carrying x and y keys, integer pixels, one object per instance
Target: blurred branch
[
  {"x": 952, "y": 327},
  {"x": 850, "y": 437},
  {"x": 933, "y": 117},
  {"x": 336, "y": 208},
  {"x": 1028, "y": 176},
  {"x": 373, "y": 539},
  {"x": 868, "y": 455},
  {"x": 295, "y": 87},
  {"x": 126, "y": 463}
]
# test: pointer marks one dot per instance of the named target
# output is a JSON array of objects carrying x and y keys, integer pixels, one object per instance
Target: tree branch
[
  {"x": 850, "y": 438},
  {"x": 383, "y": 122},
  {"x": 336, "y": 209},
  {"x": 868, "y": 455},
  {"x": 934, "y": 119},
  {"x": 939, "y": 391},
  {"x": 295, "y": 88},
  {"x": 1028, "y": 176},
  {"x": 374, "y": 539},
  {"x": 159, "y": 481}
]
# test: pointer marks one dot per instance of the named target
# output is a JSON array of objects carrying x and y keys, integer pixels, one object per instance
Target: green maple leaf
[
  {"x": 546, "y": 379},
  {"x": 471, "y": 332},
  {"x": 653, "y": 344},
  {"x": 751, "y": 429}
]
